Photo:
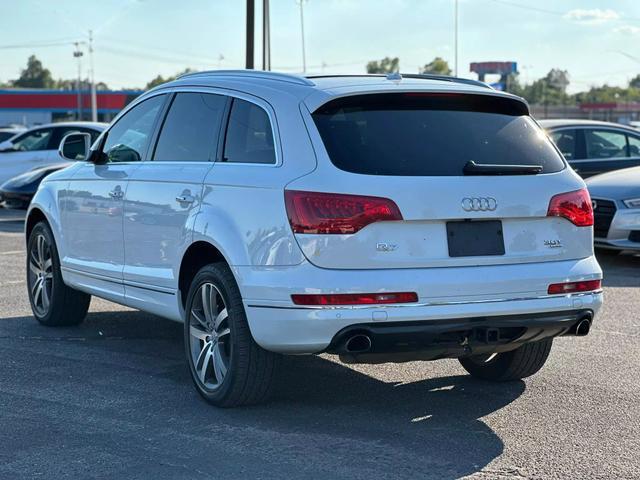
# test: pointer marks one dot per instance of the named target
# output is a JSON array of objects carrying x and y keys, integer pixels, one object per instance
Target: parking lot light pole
[
  {"x": 78, "y": 54},
  {"x": 250, "y": 33},
  {"x": 94, "y": 100}
]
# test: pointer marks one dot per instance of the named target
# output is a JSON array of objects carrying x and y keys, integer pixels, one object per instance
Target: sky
[{"x": 135, "y": 40}]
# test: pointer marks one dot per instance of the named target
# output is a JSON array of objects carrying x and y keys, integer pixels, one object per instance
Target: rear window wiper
[{"x": 473, "y": 168}]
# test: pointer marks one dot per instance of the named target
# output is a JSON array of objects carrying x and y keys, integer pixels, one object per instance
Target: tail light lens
[
  {"x": 355, "y": 298},
  {"x": 573, "y": 287},
  {"x": 335, "y": 213},
  {"x": 574, "y": 206}
]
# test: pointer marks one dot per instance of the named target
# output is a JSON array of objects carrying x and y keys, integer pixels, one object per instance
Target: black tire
[
  {"x": 514, "y": 365},
  {"x": 66, "y": 306},
  {"x": 249, "y": 369}
]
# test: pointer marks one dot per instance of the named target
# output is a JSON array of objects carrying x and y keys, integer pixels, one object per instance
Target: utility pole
[
  {"x": 78, "y": 54},
  {"x": 455, "y": 28},
  {"x": 94, "y": 99},
  {"x": 266, "y": 36},
  {"x": 304, "y": 53},
  {"x": 251, "y": 13}
]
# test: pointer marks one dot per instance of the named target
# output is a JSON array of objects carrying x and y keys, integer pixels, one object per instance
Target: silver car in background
[{"x": 615, "y": 197}]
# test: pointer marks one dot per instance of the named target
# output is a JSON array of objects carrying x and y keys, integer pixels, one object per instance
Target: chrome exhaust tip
[
  {"x": 358, "y": 344},
  {"x": 582, "y": 328}
]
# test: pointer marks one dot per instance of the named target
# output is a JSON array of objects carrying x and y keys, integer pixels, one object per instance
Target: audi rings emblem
[{"x": 479, "y": 204}]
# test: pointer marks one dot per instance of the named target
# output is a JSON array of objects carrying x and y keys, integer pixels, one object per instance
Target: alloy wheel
[
  {"x": 41, "y": 275},
  {"x": 209, "y": 336}
]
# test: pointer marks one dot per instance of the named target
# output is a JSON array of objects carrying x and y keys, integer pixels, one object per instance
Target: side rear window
[
  {"x": 565, "y": 140},
  {"x": 425, "y": 134},
  {"x": 249, "y": 136},
  {"x": 191, "y": 129}
]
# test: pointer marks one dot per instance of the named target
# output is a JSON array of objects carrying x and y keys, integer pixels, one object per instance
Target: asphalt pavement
[{"x": 112, "y": 398}]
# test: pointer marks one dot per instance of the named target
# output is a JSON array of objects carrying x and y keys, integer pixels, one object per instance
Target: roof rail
[
  {"x": 423, "y": 76},
  {"x": 267, "y": 75}
]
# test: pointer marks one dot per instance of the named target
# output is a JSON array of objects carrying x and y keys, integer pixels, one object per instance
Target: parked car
[
  {"x": 384, "y": 219},
  {"x": 593, "y": 147},
  {"x": 6, "y": 133},
  {"x": 616, "y": 204},
  {"x": 38, "y": 146},
  {"x": 17, "y": 192}
]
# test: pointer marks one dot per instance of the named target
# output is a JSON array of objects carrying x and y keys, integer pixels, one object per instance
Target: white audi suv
[{"x": 382, "y": 218}]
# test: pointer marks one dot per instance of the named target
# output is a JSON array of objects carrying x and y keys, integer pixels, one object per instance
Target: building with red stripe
[{"x": 32, "y": 107}]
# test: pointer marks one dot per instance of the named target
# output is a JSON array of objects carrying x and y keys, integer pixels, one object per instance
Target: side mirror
[
  {"x": 6, "y": 146},
  {"x": 75, "y": 146}
]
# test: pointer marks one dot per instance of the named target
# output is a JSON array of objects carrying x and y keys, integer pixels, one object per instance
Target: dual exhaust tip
[{"x": 361, "y": 342}]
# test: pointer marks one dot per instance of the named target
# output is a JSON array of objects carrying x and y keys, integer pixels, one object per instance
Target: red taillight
[
  {"x": 574, "y": 206},
  {"x": 311, "y": 212},
  {"x": 573, "y": 287},
  {"x": 354, "y": 298}
]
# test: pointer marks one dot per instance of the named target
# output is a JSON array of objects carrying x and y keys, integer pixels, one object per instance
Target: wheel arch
[{"x": 196, "y": 256}]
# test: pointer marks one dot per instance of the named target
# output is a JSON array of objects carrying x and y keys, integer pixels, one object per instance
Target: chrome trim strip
[
  {"x": 421, "y": 304},
  {"x": 126, "y": 283}
]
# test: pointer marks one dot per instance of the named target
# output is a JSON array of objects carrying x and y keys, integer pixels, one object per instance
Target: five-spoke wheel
[
  {"x": 227, "y": 366},
  {"x": 40, "y": 274},
  {"x": 209, "y": 336},
  {"x": 52, "y": 301}
]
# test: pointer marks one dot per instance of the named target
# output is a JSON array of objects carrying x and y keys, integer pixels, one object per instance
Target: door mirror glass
[{"x": 75, "y": 146}]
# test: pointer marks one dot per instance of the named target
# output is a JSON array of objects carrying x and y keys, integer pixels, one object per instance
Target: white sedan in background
[{"x": 38, "y": 146}]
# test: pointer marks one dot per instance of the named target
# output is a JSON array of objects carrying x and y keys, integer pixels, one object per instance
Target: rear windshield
[{"x": 417, "y": 134}]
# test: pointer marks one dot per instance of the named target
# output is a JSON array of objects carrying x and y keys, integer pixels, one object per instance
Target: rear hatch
[{"x": 414, "y": 180}]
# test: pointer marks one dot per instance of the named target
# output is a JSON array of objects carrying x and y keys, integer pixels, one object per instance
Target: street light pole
[
  {"x": 455, "y": 28},
  {"x": 94, "y": 99},
  {"x": 304, "y": 53},
  {"x": 266, "y": 36},
  {"x": 251, "y": 12},
  {"x": 78, "y": 54}
]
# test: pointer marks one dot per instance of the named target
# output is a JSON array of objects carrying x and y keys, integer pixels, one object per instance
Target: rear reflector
[
  {"x": 355, "y": 298},
  {"x": 574, "y": 206},
  {"x": 573, "y": 287},
  {"x": 336, "y": 213}
]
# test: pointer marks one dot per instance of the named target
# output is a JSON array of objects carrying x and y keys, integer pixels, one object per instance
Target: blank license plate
[{"x": 475, "y": 238}]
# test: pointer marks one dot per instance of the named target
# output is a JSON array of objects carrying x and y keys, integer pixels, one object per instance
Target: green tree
[
  {"x": 386, "y": 65},
  {"x": 159, "y": 79},
  {"x": 34, "y": 76},
  {"x": 550, "y": 89},
  {"x": 438, "y": 66},
  {"x": 635, "y": 82}
]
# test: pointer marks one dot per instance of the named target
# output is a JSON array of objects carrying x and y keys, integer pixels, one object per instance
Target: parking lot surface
[{"x": 113, "y": 399}]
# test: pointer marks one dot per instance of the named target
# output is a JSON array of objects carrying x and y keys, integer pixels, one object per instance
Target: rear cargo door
[{"x": 471, "y": 175}]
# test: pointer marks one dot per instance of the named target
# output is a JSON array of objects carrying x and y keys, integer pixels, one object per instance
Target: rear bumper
[
  {"x": 453, "y": 338},
  {"x": 444, "y": 295}
]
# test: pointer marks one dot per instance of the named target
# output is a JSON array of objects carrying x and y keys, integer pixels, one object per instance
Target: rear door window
[
  {"x": 565, "y": 140},
  {"x": 418, "y": 134},
  {"x": 191, "y": 129},
  {"x": 249, "y": 136},
  {"x": 605, "y": 144}
]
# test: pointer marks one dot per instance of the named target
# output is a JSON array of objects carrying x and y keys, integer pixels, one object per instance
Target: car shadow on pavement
[
  {"x": 367, "y": 424},
  {"x": 619, "y": 269}
]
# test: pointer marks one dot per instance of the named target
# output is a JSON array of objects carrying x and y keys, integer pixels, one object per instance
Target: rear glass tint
[{"x": 417, "y": 134}]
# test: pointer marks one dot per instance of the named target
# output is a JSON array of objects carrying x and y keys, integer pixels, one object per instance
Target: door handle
[{"x": 185, "y": 199}]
